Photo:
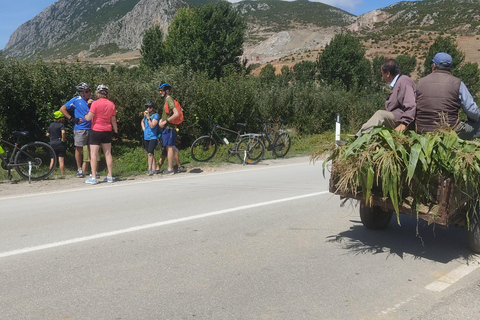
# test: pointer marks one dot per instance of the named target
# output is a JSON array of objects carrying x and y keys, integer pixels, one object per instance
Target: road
[{"x": 257, "y": 242}]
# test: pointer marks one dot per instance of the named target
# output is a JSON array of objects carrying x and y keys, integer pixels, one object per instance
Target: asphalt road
[{"x": 258, "y": 242}]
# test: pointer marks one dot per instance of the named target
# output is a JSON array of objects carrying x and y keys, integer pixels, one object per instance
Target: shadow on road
[{"x": 412, "y": 237}]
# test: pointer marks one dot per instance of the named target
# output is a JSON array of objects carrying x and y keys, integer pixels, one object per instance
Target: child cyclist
[
  {"x": 150, "y": 132},
  {"x": 56, "y": 132}
]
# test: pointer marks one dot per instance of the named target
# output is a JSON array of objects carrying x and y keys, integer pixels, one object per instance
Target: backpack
[{"x": 179, "y": 119}]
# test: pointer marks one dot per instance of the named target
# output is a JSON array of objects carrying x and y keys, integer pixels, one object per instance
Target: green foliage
[
  {"x": 343, "y": 61},
  {"x": 207, "y": 38},
  {"x": 405, "y": 168},
  {"x": 152, "y": 49},
  {"x": 377, "y": 80},
  {"x": 305, "y": 71},
  {"x": 407, "y": 63},
  {"x": 470, "y": 75},
  {"x": 267, "y": 74},
  {"x": 444, "y": 44}
]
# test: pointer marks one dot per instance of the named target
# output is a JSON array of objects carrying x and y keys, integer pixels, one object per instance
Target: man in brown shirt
[{"x": 400, "y": 106}]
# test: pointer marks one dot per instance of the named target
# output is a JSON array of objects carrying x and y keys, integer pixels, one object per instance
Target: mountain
[
  {"x": 96, "y": 27},
  {"x": 70, "y": 27},
  {"x": 276, "y": 29}
]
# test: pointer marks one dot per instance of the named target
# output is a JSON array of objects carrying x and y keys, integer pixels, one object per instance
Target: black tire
[
  {"x": 39, "y": 155},
  {"x": 473, "y": 234},
  {"x": 203, "y": 149},
  {"x": 281, "y": 145},
  {"x": 374, "y": 217},
  {"x": 252, "y": 149}
]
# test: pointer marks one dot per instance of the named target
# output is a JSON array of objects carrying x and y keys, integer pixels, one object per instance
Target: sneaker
[
  {"x": 166, "y": 172},
  {"x": 149, "y": 173},
  {"x": 91, "y": 181},
  {"x": 108, "y": 179},
  {"x": 182, "y": 169},
  {"x": 79, "y": 173}
]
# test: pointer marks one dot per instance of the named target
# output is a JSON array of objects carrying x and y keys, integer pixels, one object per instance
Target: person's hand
[
  {"x": 162, "y": 123},
  {"x": 145, "y": 114},
  {"x": 76, "y": 120},
  {"x": 116, "y": 135},
  {"x": 401, "y": 127}
]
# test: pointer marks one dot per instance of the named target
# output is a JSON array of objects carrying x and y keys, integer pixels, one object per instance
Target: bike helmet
[
  {"x": 164, "y": 86},
  {"x": 102, "y": 89},
  {"x": 82, "y": 86},
  {"x": 150, "y": 103},
  {"x": 58, "y": 114}
]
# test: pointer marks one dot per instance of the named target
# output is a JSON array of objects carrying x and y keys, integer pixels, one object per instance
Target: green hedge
[{"x": 32, "y": 91}]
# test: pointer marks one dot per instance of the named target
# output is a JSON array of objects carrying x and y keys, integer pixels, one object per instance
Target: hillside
[{"x": 278, "y": 31}]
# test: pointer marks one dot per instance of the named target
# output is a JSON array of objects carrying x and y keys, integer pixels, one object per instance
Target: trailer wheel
[
  {"x": 374, "y": 217},
  {"x": 474, "y": 234}
]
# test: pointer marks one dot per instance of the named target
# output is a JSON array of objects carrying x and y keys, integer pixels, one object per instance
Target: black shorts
[
  {"x": 150, "y": 145},
  {"x": 59, "y": 149},
  {"x": 99, "y": 137}
]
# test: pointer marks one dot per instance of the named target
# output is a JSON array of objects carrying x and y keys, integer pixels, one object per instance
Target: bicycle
[
  {"x": 248, "y": 147},
  {"x": 280, "y": 143},
  {"x": 31, "y": 161}
]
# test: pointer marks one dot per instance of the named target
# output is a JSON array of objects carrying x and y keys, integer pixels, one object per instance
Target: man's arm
[
  {"x": 407, "y": 98},
  {"x": 468, "y": 104}
]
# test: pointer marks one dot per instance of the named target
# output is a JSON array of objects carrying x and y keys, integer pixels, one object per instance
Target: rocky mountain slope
[{"x": 277, "y": 29}]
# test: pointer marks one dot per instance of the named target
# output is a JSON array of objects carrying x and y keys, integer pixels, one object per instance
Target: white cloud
[{"x": 345, "y": 4}]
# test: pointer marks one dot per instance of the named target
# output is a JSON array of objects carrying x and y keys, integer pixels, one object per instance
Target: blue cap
[{"x": 442, "y": 59}]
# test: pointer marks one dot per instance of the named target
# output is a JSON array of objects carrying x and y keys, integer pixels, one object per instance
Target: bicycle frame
[{"x": 8, "y": 160}]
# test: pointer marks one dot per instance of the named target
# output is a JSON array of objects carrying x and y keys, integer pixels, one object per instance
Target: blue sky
[{"x": 14, "y": 13}]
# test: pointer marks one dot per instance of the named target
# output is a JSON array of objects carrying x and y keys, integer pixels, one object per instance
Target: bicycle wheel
[
  {"x": 251, "y": 150},
  {"x": 281, "y": 145},
  {"x": 203, "y": 149},
  {"x": 33, "y": 160}
]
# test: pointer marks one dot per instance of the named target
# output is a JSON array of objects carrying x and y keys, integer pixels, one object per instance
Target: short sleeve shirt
[
  {"x": 55, "y": 131},
  {"x": 103, "y": 110},
  {"x": 80, "y": 109},
  {"x": 149, "y": 133},
  {"x": 171, "y": 105}
]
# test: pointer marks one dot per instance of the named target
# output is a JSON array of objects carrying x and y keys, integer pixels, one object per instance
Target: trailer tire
[
  {"x": 374, "y": 217},
  {"x": 473, "y": 234}
]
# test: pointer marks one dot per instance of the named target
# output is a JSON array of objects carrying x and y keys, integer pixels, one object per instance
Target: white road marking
[
  {"x": 453, "y": 276},
  {"x": 153, "y": 225},
  {"x": 399, "y": 305}
]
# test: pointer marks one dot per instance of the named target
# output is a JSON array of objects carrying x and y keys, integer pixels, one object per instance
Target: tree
[
  {"x": 443, "y": 44},
  {"x": 377, "y": 80},
  {"x": 152, "y": 49},
  {"x": 343, "y": 61},
  {"x": 305, "y": 71},
  {"x": 407, "y": 63},
  {"x": 267, "y": 74},
  {"x": 470, "y": 75},
  {"x": 207, "y": 38}
]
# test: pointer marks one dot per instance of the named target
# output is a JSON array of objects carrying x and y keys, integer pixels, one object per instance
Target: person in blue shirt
[
  {"x": 150, "y": 132},
  {"x": 81, "y": 129}
]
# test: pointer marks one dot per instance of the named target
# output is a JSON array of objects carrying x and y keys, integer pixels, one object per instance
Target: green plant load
[{"x": 405, "y": 167}]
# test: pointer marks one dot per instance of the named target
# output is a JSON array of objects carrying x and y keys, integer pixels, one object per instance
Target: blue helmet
[{"x": 164, "y": 86}]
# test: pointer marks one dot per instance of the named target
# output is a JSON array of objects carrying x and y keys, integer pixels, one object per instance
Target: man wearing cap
[
  {"x": 81, "y": 129},
  {"x": 400, "y": 105},
  {"x": 440, "y": 96}
]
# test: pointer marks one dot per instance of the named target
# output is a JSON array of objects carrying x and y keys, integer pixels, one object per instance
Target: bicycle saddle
[{"x": 21, "y": 133}]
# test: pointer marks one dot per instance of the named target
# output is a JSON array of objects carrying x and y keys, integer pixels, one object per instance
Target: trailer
[{"x": 447, "y": 205}]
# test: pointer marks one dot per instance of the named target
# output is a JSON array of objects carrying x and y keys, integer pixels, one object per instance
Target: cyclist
[
  {"x": 81, "y": 129},
  {"x": 150, "y": 127},
  {"x": 56, "y": 132},
  {"x": 169, "y": 133},
  {"x": 104, "y": 120}
]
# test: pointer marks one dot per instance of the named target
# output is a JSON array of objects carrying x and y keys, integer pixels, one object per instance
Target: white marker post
[{"x": 337, "y": 129}]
